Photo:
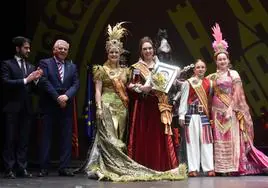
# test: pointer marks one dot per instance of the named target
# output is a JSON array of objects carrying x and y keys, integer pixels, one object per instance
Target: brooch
[{"x": 112, "y": 73}]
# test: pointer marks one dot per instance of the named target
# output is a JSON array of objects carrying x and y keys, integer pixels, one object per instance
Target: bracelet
[
  {"x": 99, "y": 110},
  {"x": 98, "y": 105}
]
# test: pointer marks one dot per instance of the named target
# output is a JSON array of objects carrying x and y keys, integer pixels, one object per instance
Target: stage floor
[{"x": 81, "y": 181}]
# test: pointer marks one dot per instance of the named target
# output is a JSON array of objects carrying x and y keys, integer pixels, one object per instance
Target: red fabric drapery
[{"x": 75, "y": 144}]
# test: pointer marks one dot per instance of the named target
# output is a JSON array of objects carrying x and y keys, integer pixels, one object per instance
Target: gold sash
[
  {"x": 163, "y": 106},
  {"x": 201, "y": 93},
  {"x": 222, "y": 96},
  {"x": 165, "y": 110},
  {"x": 227, "y": 101},
  {"x": 119, "y": 86},
  {"x": 145, "y": 72}
]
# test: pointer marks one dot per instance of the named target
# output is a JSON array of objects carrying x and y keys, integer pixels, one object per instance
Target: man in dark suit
[
  {"x": 17, "y": 76},
  {"x": 60, "y": 84}
]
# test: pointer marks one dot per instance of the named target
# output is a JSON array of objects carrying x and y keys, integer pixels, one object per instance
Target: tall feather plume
[
  {"x": 116, "y": 32},
  {"x": 219, "y": 44},
  {"x": 217, "y": 32}
]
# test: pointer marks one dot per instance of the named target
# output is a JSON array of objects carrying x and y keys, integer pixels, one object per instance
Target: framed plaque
[{"x": 163, "y": 76}]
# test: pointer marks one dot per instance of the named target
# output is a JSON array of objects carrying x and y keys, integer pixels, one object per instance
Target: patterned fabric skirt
[{"x": 108, "y": 160}]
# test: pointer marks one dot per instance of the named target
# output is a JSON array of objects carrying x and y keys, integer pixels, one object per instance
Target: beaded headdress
[
  {"x": 115, "y": 34},
  {"x": 219, "y": 45}
]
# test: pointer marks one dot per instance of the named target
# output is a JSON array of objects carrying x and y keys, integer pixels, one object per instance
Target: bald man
[{"x": 59, "y": 85}]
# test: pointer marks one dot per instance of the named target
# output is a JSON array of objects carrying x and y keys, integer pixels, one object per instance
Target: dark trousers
[
  {"x": 64, "y": 121},
  {"x": 17, "y": 132}
]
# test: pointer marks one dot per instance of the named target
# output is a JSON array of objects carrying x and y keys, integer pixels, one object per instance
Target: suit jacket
[
  {"x": 16, "y": 94},
  {"x": 52, "y": 87}
]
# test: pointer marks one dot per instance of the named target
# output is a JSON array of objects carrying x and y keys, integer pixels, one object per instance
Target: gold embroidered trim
[{"x": 201, "y": 93}]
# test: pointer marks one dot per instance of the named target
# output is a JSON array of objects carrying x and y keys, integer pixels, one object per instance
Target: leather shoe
[
  {"x": 193, "y": 174},
  {"x": 65, "y": 172},
  {"x": 24, "y": 174},
  {"x": 42, "y": 173},
  {"x": 9, "y": 174},
  {"x": 211, "y": 173}
]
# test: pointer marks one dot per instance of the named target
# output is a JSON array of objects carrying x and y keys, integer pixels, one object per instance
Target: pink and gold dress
[{"x": 233, "y": 128}]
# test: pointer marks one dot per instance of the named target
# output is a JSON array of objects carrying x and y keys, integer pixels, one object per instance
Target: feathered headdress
[
  {"x": 114, "y": 36},
  {"x": 219, "y": 45}
]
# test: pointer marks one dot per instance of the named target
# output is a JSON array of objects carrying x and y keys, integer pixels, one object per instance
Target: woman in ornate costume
[
  {"x": 233, "y": 126},
  {"x": 108, "y": 158},
  {"x": 150, "y": 134}
]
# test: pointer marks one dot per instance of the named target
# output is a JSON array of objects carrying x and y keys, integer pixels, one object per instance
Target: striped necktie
[{"x": 60, "y": 69}]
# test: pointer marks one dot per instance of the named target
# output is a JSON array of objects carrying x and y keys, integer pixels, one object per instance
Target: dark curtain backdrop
[{"x": 13, "y": 21}]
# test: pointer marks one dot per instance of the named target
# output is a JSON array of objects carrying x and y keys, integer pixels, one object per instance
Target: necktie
[
  {"x": 60, "y": 69},
  {"x": 22, "y": 66}
]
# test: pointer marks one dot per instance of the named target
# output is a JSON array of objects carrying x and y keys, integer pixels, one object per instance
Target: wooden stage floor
[{"x": 81, "y": 181}]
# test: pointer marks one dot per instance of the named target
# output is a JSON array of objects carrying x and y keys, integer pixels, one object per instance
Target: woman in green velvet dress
[{"x": 108, "y": 159}]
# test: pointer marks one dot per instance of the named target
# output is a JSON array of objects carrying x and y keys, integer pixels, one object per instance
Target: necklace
[
  {"x": 196, "y": 81},
  {"x": 113, "y": 72},
  {"x": 221, "y": 72}
]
